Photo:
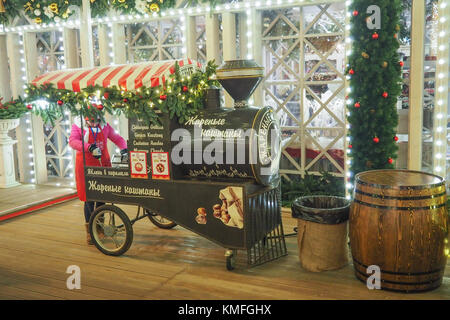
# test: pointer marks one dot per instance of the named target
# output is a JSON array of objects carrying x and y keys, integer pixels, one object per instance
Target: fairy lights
[
  {"x": 347, "y": 142},
  {"x": 442, "y": 82}
]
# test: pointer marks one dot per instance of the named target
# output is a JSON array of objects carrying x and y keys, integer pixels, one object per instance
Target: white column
[
  {"x": 5, "y": 87},
  {"x": 255, "y": 27},
  {"x": 120, "y": 57},
  {"x": 37, "y": 130},
  {"x": 104, "y": 45},
  {"x": 212, "y": 38},
  {"x": 416, "y": 86},
  {"x": 191, "y": 38},
  {"x": 229, "y": 45},
  {"x": 7, "y": 168},
  {"x": 87, "y": 51},
  {"x": 70, "y": 48}
]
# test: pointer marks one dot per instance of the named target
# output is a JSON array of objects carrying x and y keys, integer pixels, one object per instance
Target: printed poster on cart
[
  {"x": 138, "y": 164},
  {"x": 160, "y": 165}
]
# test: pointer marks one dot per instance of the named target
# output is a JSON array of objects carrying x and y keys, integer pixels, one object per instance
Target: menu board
[{"x": 149, "y": 138}]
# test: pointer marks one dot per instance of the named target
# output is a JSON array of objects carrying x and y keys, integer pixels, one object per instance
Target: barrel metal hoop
[
  {"x": 399, "y": 198},
  {"x": 399, "y": 273},
  {"x": 382, "y": 186},
  {"x": 403, "y": 283},
  {"x": 399, "y": 208}
]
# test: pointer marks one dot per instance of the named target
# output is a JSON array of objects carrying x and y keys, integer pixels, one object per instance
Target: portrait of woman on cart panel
[{"x": 95, "y": 134}]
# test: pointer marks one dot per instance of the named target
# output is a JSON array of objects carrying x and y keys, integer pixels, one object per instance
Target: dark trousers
[{"x": 89, "y": 207}]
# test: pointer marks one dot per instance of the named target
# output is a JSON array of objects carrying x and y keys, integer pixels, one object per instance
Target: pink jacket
[{"x": 108, "y": 132}]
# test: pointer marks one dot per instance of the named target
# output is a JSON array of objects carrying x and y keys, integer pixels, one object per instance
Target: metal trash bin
[{"x": 322, "y": 231}]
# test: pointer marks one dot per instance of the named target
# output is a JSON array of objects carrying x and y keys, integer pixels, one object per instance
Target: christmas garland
[
  {"x": 180, "y": 96},
  {"x": 375, "y": 76},
  {"x": 49, "y": 11},
  {"x": 13, "y": 109},
  {"x": 141, "y": 6},
  {"x": 8, "y": 11},
  {"x": 55, "y": 11}
]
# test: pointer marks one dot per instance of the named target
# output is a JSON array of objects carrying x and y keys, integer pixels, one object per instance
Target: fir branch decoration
[
  {"x": 49, "y": 11},
  {"x": 180, "y": 96},
  {"x": 13, "y": 109},
  {"x": 375, "y": 76}
]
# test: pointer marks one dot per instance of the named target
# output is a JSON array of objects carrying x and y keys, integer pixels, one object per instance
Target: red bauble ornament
[
  {"x": 106, "y": 95},
  {"x": 29, "y": 106},
  {"x": 351, "y": 71},
  {"x": 100, "y": 107},
  {"x": 163, "y": 97},
  {"x": 185, "y": 88},
  {"x": 125, "y": 100},
  {"x": 355, "y": 13},
  {"x": 395, "y": 138},
  {"x": 375, "y": 36},
  {"x": 350, "y": 146},
  {"x": 60, "y": 102},
  {"x": 401, "y": 63},
  {"x": 390, "y": 160},
  {"x": 376, "y": 140},
  {"x": 357, "y": 105},
  {"x": 385, "y": 94}
]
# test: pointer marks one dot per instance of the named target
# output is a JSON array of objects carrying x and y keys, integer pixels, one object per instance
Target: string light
[
  {"x": 347, "y": 144},
  {"x": 441, "y": 83},
  {"x": 28, "y": 117}
]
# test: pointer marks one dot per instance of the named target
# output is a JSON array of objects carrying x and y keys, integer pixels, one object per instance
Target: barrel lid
[{"x": 399, "y": 179}]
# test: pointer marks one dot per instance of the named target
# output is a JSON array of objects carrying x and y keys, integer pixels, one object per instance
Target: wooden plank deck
[
  {"x": 36, "y": 250},
  {"x": 28, "y": 195}
]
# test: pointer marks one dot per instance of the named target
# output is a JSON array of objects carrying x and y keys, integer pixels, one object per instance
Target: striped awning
[{"x": 127, "y": 77}]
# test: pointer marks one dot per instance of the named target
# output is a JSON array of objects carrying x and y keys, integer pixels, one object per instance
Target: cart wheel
[
  {"x": 230, "y": 256},
  {"x": 160, "y": 221},
  {"x": 111, "y": 230}
]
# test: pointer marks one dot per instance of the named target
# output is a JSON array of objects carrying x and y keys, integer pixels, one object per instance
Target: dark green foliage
[
  {"x": 12, "y": 109},
  {"x": 180, "y": 97},
  {"x": 326, "y": 184},
  {"x": 379, "y": 71}
]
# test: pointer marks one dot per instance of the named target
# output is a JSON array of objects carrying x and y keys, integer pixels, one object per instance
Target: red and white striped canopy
[{"x": 127, "y": 77}]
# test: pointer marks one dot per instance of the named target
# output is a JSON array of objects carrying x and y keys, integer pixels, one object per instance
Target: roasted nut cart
[{"x": 215, "y": 174}]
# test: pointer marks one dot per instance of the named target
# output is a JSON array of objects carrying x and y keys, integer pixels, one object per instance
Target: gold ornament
[
  {"x": 38, "y": 20},
  {"x": 154, "y": 7},
  {"x": 65, "y": 15},
  {"x": 162, "y": 1},
  {"x": 121, "y": 1},
  {"x": 365, "y": 55},
  {"x": 384, "y": 64},
  {"x": 397, "y": 27},
  {"x": 53, "y": 7},
  {"x": 28, "y": 6},
  {"x": 2, "y": 5}
]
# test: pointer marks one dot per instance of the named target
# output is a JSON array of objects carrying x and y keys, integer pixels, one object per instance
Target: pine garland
[
  {"x": 13, "y": 109},
  {"x": 375, "y": 72},
  {"x": 179, "y": 97},
  {"x": 49, "y": 11},
  {"x": 55, "y": 11}
]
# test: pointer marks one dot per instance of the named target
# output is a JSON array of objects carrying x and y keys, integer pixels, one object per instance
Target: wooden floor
[
  {"x": 27, "y": 195},
  {"x": 36, "y": 250}
]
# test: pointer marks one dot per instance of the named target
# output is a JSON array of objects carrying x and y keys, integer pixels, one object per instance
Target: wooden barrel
[{"x": 398, "y": 222}]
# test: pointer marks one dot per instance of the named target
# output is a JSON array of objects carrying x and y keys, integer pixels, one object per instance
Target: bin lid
[{"x": 128, "y": 77}]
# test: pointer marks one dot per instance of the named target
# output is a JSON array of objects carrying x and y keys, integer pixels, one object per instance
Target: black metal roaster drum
[{"x": 249, "y": 136}]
